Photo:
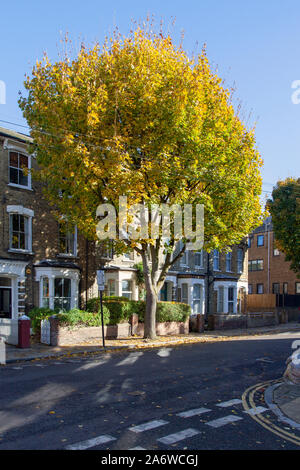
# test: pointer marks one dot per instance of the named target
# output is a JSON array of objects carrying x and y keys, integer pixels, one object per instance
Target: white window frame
[
  {"x": 220, "y": 299},
  {"x": 185, "y": 295},
  {"x": 74, "y": 251},
  {"x": 228, "y": 262},
  {"x": 51, "y": 273},
  {"x": 16, "y": 149},
  {"x": 110, "y": 291},
  {"x": 184, "y": 257},
  {"x": 29, "y": 214},
  {"x": 216, "y": 257},
  {"x": 200, "y": 253},
  {"x": 240, "y": 260},
  {"x": 128, "y": 256},
  {"x": 130, "y": 292},
  {"x": 199, "y": 299}
]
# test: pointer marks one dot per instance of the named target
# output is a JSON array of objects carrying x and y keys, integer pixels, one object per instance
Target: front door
[{"x": 5, "y": 302}]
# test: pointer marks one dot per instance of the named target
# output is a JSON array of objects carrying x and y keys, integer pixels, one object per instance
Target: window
[
  {"x": 129, "y": 256},
  {"x": 249, "y": 242},
  {"x": 107, "y": 252},
  {"x": 297, "y": 288},
  {"x": 19, "y": 232},
  {"x": 259, "y": 288},
  {"x": 230, "y": 299},
  {"x": 260, "y": 240},
  {"x": 240, "y": 260},
  {"x": 197, "y": 298},
  {"x": 45, "y": 292},
  {"x": 199, "y": 259},
  {"x": 276, "y": 288},
  {"x": 250, "y": 289},
  {"x": 62, "y": 293},
  {"x": 228, "y": 261},
  {"x": 256, "y": 265},
  {"x": 17, "y": 163},
  {"x": 220, "y": 300},
  {"x": 285, "y": 288},
  {"x": 67, "y": 241},
  {"x": 184, "y": 293},
  {"x": 20, "y": 228},
  {"x": 58, "y": 287},
  {"x": 127, "y": 289},
  {"x": 111, "y": 287},
  {"x": 184, "y": 257},
  {"x": 216, "y": 260}
]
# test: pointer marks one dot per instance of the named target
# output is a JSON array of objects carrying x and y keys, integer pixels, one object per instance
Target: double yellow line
[{"x": 248, "y": 403}]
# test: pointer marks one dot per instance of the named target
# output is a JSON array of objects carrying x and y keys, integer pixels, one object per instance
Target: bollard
[{"x": 24, "y": 332}]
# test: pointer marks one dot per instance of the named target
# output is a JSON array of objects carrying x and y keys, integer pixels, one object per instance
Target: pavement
[{"x": 283, "y": 397}]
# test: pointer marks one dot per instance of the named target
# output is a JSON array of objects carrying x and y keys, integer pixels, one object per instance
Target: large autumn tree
[
  {"x": 285, "y": 210},
  {"x": 137, "y": 117}
]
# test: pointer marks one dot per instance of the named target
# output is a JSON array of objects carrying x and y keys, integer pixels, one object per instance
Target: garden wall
[
  {"x": 249, "y": 320},
  {"x": 66, "y": 335}
]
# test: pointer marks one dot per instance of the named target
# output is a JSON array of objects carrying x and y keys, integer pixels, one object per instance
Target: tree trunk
[{"x": 150, "y": 314}]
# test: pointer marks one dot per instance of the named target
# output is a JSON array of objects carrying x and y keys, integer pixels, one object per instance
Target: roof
[
  {"x": 266, "y": 226},
  {"x": 15, "y": 135},
  {"x": 56, "y": 264}
]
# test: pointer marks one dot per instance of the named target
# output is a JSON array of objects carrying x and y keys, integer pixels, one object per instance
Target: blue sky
[{"x": 254, "y": 43}]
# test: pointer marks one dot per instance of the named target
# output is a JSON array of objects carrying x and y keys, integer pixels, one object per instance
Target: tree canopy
[
  {"x": 138, "y": 117},
  {"x": 285, "y": 210}
]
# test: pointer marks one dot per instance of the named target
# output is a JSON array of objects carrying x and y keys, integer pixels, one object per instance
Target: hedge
[
  {"x": 93, "y": 305},
  {"x": 36, "y": 315},
  {"x": 114, "y": 312},
  {"x": 121, "y": 311}
]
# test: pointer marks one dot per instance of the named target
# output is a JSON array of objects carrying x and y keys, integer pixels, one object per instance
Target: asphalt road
[{"x": 168, "y": 398}]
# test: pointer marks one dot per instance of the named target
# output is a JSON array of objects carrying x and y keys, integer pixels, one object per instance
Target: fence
[{"x": 256, "y": 302}]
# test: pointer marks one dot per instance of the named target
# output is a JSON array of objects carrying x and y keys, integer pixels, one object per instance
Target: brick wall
[{"x": 277, "y": 271}]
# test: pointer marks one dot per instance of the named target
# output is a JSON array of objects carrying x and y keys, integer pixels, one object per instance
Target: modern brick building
[{"x": 268, "y": 272}]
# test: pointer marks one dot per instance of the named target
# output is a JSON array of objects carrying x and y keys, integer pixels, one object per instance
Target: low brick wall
[
  {"x": 249, "y": 320},
  {"x": 226, "y": 321},
  {"x": 197, "y": 323},
  {"x": 255, "y": 320},
  {"x": 167, "y": 328},
  {"x": 65, "y": 335}
]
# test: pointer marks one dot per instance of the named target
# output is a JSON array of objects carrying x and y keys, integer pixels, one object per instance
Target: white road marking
[
  {"x": 217, "y": 423},
  {"x": 235, "y": 401},
  {"x": 164, "y": 352},
  {"x": 194, "y": 412},
  {"x": 264, "y": 359},
  {"x": 17, "y": 368},
  {"x": 147, "y": 426},
  {"x": 256, "y": 411},
  {"x": 131, "y": 359},
  {"x": 178, "y": 436},
  {"x": 91, "y": 442}
]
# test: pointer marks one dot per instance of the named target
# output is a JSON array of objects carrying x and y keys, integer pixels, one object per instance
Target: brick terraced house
[
  {"x": 40, "y": 264},
  {"x": 210, "y": 283}
]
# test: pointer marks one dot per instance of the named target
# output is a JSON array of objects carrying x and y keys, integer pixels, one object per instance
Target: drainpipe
[{"x": 267, "y": 228}]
